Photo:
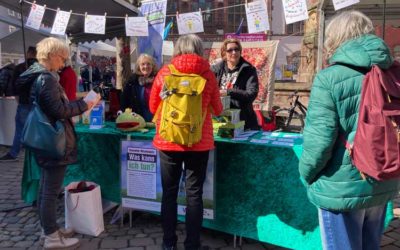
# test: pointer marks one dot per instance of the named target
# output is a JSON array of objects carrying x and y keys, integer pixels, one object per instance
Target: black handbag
[{"x": 39, "y": 135}]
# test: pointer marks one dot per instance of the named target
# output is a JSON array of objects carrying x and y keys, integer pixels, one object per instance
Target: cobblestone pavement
[{"x": 19, "y": 226}]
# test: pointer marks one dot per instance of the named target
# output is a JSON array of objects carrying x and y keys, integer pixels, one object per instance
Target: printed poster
[
  {"x": 257, "y": 16},
  {"x": 95, "y": 24},
  {"x": 60, "y": 22},
  {"x": 340, "y": 4},
  {"x": 189, "y": 23},
  {"x": 295, "y": 10},
  {"x": 155, "y": 10},
  {"x": 141, "y": 180},
  {"x": 262, "y": 55},
  {"x": 35, "y": 16},
  {"x": 136, "y": 26}
]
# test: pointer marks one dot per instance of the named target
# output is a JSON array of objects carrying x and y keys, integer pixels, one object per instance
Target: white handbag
[{"x": 83, "y": 210}]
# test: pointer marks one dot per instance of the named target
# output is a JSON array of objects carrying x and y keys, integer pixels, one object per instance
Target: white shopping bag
[{"x": 83, "y": 210}]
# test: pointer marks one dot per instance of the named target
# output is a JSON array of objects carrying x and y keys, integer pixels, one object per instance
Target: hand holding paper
[{"x": 91, "y": 99}]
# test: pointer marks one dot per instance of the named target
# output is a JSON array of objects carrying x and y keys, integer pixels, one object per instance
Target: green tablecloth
[{"x": 258, "y": 191}]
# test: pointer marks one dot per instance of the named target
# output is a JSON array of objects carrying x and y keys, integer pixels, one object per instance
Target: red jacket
[
  {"x": 68, "y": 81},
  {"x": 194, "y": 64}
]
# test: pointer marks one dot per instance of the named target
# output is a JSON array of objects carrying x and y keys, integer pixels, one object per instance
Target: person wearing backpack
[
  {"x": 7, "y": 80},
  {"x": 351, "y": 206},
  {"x": 184, "y": 95},
  {"x": 22, "y": 86}
]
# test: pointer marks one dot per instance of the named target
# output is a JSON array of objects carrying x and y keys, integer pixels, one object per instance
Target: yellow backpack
[{"x": 182, "y": 118}]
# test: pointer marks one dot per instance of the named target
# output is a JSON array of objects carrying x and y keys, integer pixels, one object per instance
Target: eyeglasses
[
  {"x": 64, "y": 59},
  {"x": 233, "y": 49}
]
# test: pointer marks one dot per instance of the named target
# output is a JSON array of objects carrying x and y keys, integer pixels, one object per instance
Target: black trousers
[{"x": 195, "y": 164}]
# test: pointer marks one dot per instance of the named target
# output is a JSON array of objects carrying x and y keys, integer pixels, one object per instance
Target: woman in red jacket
[
  {"x": 69, "y": 80},
  {"x": 188, "y": 59}
]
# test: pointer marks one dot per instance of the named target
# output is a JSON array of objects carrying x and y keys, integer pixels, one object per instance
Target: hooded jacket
[
  {"x": 244, "y": 91},
  {"x": 332, "y": 182},
  {"x": 191, "y": 64},
  {"x": 54, "y": 103}
]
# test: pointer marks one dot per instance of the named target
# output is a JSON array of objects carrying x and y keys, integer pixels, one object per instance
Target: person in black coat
[
  {"x": 238, "y": 79},
  {"x": 52, "y": 54},
  {"x": 136, "y": 91}
]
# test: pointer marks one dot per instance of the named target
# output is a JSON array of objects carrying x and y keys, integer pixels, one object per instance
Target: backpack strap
[{"x": 362, "y": 70}]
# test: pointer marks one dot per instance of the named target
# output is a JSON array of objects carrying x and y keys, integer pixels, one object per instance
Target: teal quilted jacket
[{"x": 332, "y": 182}]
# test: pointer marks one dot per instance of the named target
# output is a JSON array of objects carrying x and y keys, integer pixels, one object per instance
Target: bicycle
[{"x": 285, "y": 116}]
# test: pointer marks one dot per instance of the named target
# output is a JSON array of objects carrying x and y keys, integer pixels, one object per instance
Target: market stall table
[{"x": 258, "y": 193}]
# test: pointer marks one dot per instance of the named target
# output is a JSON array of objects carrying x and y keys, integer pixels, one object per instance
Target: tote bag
[
  {"x": 83, "y": 210},
  {"x": 39, "y": 135}
]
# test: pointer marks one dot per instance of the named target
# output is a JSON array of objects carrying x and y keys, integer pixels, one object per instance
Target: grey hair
[
  {"x": 345, "y": 26},
  {"x": 189, "y": 44}
]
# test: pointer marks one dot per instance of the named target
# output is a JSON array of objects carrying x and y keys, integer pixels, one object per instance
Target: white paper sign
[
  {"x": 137, "y": 26},
  {"x": 340, "y": 4},
  {"x": 35, "y": 16},
  {"x": 295, "y": 10},
  {"x": 95, "y": 24},
  {"x": 189, "y": 23},
  {"x": 257, "y": 16},
  {"x": 168, "y": 48},
  {"x": 60, "y": 22}
]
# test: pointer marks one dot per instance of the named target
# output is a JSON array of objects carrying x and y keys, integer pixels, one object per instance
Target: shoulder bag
[{"x": 39, "y": 135}]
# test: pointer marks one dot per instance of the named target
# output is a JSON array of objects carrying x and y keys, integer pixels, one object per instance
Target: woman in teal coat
[{"x": 351, "y": 209}]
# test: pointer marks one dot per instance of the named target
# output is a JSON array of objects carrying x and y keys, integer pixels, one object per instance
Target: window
[{"x": 295, "y": 28}]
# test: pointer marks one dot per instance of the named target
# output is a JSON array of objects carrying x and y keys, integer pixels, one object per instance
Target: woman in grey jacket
[{"x": 52, "y": 54}]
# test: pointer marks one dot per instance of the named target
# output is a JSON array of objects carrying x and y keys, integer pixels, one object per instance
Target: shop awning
[{"x": 115, "y": 27}]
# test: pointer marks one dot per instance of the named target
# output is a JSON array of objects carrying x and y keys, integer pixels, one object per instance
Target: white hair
[{"x": 345, "y": 26}]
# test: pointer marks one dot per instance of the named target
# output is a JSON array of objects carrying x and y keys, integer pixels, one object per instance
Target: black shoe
[
  {"x": 164, "y": 247},
  {"x": 7, "y": 157}
]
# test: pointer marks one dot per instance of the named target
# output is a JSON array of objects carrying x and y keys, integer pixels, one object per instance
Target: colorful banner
[
  {"x": 261, "y": 55},
  {"x": 141, "y": 180},
  {"x": 155, "y": 12}
]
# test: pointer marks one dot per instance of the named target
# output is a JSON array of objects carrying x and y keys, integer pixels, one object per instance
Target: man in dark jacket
[{"x": 22, "y": 87}]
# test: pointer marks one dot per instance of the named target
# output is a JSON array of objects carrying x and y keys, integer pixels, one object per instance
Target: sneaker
[
  {"x": 57, "y": 241},
  {"x": 65, "y": 232},
  {"x": 7, "y": 157}
]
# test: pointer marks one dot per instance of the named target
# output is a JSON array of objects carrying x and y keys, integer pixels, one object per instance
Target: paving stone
[
  {"x": 17, "y": 238},
  {"x": 86, "y": 244},
  {"x": 106, "y": 243},
  {"x": 256, "y": 246},
  {"x": 24, "y": 244},
  {"x": 135, "y": 248},
  {"x": 6, "y": 243},
  {"x": 138, "y": 242},
  {"x": 386, "y": 241}
]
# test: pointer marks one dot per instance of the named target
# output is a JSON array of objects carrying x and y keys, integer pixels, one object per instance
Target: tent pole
[
  {"x": 384, "y": 20},
  {"x": 21, "y": 2}
]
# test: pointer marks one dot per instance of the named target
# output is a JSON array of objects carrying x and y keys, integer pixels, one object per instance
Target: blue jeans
[
  {"x": 354, "y": 230},
  {"x": 20, "y": 118},
  {"x": 171, "y": 171},
  {"x": 51, "y": 181}
]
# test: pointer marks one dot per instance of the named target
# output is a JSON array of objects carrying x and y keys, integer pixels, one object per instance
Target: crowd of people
[{"x": 351, "y": 209}]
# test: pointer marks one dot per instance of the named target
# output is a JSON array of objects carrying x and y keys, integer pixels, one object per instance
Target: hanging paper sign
[
  {"x": 137, "y": 26},
  {"x": 295, "y": 10},
  {"x": 35, "y": 16},
  {"x": 340, "y": 4},
  {"x": 95, "y": 24},
  {"x": 60, "y": 22},
  {"x": 257, "y": 16},
  {"x": 189, "y": 23},
  {"x": 168, "y": 48}
]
